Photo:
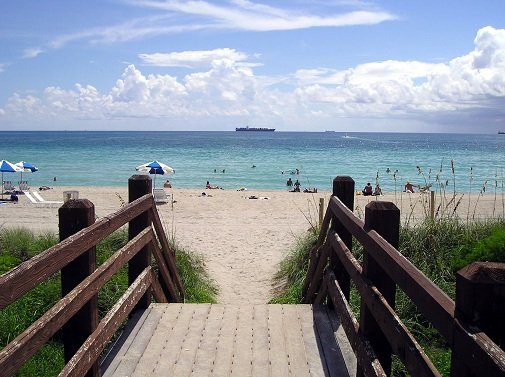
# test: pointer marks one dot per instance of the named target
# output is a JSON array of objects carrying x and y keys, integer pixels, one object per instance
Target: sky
[{"x": 294, "y": 65}]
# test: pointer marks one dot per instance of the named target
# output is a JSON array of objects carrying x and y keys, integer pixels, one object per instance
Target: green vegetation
[
  {"x": 18, "y": 245},
  {"x": 438, "y": 248}
]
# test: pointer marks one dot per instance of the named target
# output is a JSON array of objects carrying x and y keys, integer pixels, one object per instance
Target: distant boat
[
  {"x": 501, "y": 132},
  {"x": 254, "y": 129}
]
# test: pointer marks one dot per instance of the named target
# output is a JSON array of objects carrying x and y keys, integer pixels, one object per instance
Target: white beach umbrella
[
  {"x": 26, "y": 167},
  {"x": 7, "y": 167},
  {"x": 155, "y": 167}
]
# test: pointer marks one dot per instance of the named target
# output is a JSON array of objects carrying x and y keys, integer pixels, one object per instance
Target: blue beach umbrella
[
  {"x": 26, "y": 167},
  {"x": 7, "y": 167},
  {"x": 155, "y": 167}
]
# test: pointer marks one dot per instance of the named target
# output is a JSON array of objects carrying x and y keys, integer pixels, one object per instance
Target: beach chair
[
  {"x": 23, "y": 186},
  {"x": 8, "y": 186},
  {"x": 42, "y": 200},
  {"x": 160, "y": 196}
]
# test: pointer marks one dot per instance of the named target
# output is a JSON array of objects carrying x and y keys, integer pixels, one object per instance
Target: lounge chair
[
  {"x": 8, "y": 186},
  {"x": 42, "y": 200},
  {"x": 23, "y": 186},
  {"x": 39, "y": 201},
  {"x": 160, "y": 196}
]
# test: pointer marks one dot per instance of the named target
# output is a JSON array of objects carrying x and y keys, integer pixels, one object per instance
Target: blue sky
[{"x": 350, "y": 65}]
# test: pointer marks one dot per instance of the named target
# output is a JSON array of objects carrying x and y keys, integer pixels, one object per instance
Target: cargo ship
[{"x": 254, "y": 129}]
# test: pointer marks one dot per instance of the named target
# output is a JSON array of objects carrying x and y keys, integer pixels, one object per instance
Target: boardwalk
[{"x": 227, "y": 340}]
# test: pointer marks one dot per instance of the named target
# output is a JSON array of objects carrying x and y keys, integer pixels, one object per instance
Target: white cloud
[
  {"x": 470, "y": 88},
  {"x": 201, "y": 15},
  {"x": 247, "y": 15},
  {"x": 30, "y": 53},
  {"x": 192, "y": 59}
]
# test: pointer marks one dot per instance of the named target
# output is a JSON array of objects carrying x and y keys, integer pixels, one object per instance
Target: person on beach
[
  {"x": 367, "y": 191},
  {"x": 377, "y": 191},
  {"x": 289, "y": 183},
  {"x": 209, "y": 186},
  {"x": 408, "y": 187},
  {"x": 297, "y": 186},
  {"x": 167, "y": 184}
]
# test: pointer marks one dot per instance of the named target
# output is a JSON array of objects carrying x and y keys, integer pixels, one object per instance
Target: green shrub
[{"x": 488, "y": 249}]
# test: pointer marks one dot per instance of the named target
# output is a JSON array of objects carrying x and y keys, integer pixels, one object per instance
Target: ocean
[{"x": 261, "y": 160}]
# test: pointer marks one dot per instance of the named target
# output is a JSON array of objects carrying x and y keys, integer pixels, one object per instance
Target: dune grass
[{"x": 18, "y": 245}]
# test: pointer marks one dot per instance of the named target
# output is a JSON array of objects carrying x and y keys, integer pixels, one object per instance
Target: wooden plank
[
  {"x": 362, "y": 349},
  {"x": 29, "y": 341},
  {"x": 315, "y": 252},
  {"x": 331, "y": 355},
  {"x": 165, "y": 274},
  {"x": 224, "y": 355},
  {"x": 295, "y": 346},
  {"x": 156, "y": 342},
  {"x": 208, "y": 348},
  {"x": 435, "y": 305},
  {"x": 190, "y": 343},
  {"x": 279, "y": 359},
  {"x": 132, "y": 343},
  {"x": 260, "y": 360},
  {"x": 29, "y": 274},
  {"x": 243, "y": 343},
  {"x": 317, "y": 276},
  {"x": 398, "y": 336},
  {"x": 313, "y": 351},
  {"x": 479, "y": 352},
  {"x": 95, "y": 344},
  {"x": 167, "y": 252}
]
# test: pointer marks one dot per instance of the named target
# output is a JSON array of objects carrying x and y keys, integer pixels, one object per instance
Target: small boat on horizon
[{"x": 254, "y": 129}]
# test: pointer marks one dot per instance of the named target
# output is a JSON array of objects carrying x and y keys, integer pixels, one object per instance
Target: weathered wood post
[
  {"x": 343, "y": 188},
  {"x": 384, "y": 218},
  {"x": 480, "y": 303},
  {"x": 138, "y": 186},
  {"x": 73, "y": 216}
]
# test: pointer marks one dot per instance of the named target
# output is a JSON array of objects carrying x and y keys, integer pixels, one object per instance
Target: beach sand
[{"x": 242, "y": 240}]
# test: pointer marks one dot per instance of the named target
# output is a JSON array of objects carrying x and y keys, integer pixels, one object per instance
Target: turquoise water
[{"x": 110, "y": 158}]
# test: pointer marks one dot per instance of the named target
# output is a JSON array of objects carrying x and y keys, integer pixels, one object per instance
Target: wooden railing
[
  {"x": 84, "y": 336},
  {"x": 472, "y": 326}
]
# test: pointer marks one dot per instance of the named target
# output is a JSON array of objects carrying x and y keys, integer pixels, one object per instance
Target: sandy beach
[{"x": 242, "y": 239}]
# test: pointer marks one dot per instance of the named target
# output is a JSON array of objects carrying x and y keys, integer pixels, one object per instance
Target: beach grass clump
[
  {"x": 199, "y": 286},
  {"x": 288, "y": 281}
]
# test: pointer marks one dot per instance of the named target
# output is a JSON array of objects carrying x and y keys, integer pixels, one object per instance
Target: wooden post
[
  {"x": 432, "y": 204},
  {"x": 321, "y": 211},
  {"x": 343, "y": 188},
  {"x": 138, "y": 186},
  {"x": 73, "y": 216},
  {"x": 384, "y": 218},
  {"x": 480, "y": 303}
]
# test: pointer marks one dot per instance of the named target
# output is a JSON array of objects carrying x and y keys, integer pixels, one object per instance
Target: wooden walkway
[{"x": 226, "y": 340}]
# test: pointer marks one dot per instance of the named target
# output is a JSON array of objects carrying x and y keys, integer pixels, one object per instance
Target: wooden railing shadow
[
  {"x": 472, "y": 326},
  {"x": 84, "y": 336}
]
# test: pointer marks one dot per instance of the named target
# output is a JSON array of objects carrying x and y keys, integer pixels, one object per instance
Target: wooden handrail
[
  {"x": 430, "y": 299},
  {"x": 32, "y": 272},
  {"x": 473, "y": 351},
  {"x": 29, "y": 341},
  {"x": 148, "y": 235},
  {"x": 95, "y": 344}
]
